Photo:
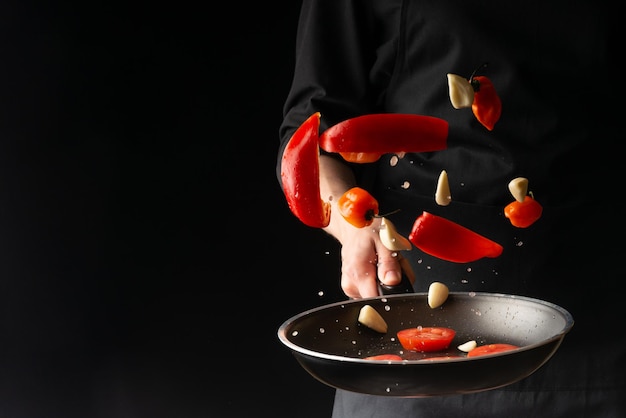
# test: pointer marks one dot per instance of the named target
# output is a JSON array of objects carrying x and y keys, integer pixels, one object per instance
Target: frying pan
[{"x": 330, "y": 344}]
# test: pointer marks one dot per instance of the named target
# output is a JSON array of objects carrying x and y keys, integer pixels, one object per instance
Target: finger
[
  {"x": 389, "y": 270},
  {"x": 358, "y": 279}
]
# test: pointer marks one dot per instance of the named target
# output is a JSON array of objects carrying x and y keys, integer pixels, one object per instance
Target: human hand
[{"x": 365, "y": 261}]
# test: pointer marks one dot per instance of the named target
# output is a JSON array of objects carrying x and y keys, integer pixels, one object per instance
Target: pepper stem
[
  {"x": 387, "y": 214},
  {"x": 475, "y": 84}
]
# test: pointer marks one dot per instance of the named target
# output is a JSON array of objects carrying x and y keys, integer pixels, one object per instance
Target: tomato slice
[
  {"x": 426, "y": 339},
  {"x": 483, "y": 350},
  {"x": 392, "y": 357}
]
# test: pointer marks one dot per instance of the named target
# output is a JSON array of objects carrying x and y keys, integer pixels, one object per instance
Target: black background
[{"x": 147, "y": 255}]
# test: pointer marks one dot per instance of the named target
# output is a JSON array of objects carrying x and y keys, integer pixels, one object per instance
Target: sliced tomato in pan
[
  {"x": 392, "y": 357},
  {"x": 426, "y": 339},
  {"x": 483, "y": 350}
]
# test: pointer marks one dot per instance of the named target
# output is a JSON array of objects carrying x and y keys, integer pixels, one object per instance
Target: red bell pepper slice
[
  {"x": 450, "y": 241},
  {"x": 365, "y": 138},
  {"x": 300, "y": 175}
]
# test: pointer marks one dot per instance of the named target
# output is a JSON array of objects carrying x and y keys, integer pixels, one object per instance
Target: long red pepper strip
[
  {"x": 450, "y": 241},
  {"x": 386, "y": 133},
  {"x": 300, "y": 175}
]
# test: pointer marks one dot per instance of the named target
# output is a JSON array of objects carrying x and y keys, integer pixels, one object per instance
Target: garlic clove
[
  {"x": 519, "y": 188},
  {"x": 461, "y": 91},
  {"x": 468, "y": 346},
  {"x": 391, "y": 238},
  {"x": 437, "y": 294},
  {"x": 443, "y": 196},
  {"x": 370, "y": 317}
]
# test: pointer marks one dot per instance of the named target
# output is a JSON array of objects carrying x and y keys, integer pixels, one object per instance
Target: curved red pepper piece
[
  {"x": 450, "y": 241},
  {"x": 365, "y": 138},
  {"x": 487, "y": 106},
  {"x": 300, "y": 175}
]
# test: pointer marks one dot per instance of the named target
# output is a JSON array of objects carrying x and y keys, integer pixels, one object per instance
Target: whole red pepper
[
  {"x": 487, "y": 106},
  {"x": 365, "y": 138},
  {"x": 450, "y": 241},
  {"x": 358, "y": 207},
  {"x": 300, "y": 175},
  {"x": 523, "y": 214}
]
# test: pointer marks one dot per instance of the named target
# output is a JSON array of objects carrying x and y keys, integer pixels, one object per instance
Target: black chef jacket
[{"x": 553, "y": 63}]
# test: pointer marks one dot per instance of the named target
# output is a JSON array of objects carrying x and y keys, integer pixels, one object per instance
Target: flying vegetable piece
[
  {"x": 519, "y": 188},
  {"x": 461, "y": 91},
  {"x": 391, "y": 238},
  {"x": 437, "y": 294},
  {"x": 450, "y": 241},
  {"x": 443, "y": 196},
  {"x": 300, "y": 175},
  {"x": 358, "y": 207},
  {"x": 523, "y": 214},
  {"x": 487, "y": 106},
  {"x": 366, "y": 138}
]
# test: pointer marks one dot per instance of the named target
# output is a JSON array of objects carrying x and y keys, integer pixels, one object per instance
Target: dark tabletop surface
[{"x": 147, "y": 256}]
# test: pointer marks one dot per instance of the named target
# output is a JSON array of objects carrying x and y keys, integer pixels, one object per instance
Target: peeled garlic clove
[
  {"x": 461, "y": 91},
  {"x": 443, "y": 196},
  {"x": 391, "y": 238},
  {"x": 437, "y": 294},
  {"x": 519, "y": 188},
  {"x": 468, "y": 346},
  {"x": 370, "y": 317}
]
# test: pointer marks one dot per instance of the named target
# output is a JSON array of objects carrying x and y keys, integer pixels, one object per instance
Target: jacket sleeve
[{"x": 338, "y": 44}]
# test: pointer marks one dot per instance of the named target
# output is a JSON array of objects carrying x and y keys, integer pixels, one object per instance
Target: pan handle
[{"x": 404, "y": 286}]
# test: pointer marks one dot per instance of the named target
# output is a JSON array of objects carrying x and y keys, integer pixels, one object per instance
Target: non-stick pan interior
[{"x": 330, "y": 343}]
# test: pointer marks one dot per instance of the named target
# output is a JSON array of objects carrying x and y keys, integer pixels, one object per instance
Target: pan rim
[{"x": 282, "y": 330}]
